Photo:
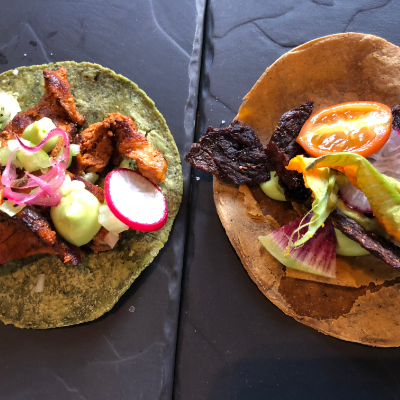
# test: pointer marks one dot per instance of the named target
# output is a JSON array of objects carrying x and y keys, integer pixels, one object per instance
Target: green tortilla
[{"x": 76, "y": 294}]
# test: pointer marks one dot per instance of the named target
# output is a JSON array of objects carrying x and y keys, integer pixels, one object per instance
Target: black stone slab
[
  {"x": 129, "y": 353},
  {"x": 233, "y": 343}
]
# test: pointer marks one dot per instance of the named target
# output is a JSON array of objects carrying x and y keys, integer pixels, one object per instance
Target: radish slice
[
  {"x": 387, "y": 159},
  {"x": 354, "y": 198},
  {"x": 316, "y": 256},
  {"x": 135, "y": 201}
]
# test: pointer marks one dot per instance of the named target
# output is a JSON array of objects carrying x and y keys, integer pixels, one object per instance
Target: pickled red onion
[{"x": 47, "y": 193}]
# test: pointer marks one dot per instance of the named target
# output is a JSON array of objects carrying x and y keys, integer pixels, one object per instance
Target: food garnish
[
  {"x": 316, "y": 256},
  {"x": 361, "y": 127},
  {"x": 378, "y": 246},
  {"x": 76, "y": 216},
  {"x": 354, "y": 198},
  {"x": 381, "y": 191},
  {"x": 135, "y": 201},
  {"x": 46, "y": 192},
  {"x": 272, "y": 188}
]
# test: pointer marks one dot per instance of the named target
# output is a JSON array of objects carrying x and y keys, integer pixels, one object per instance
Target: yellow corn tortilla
[
  {"x": 361, "y": 304},
  {"x": 76, "y": 294}
]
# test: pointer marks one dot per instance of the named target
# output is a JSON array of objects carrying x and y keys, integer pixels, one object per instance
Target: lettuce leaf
[{"x": 324, "y": 183}]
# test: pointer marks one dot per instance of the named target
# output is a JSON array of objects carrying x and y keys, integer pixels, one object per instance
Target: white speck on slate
[
  {"x": 24, "y": 55},
  {"x": 131, "y": 309},
  {"x": 223, "y": 121},
  {"x": 51, "y": 54},
  {"x": 197, "y": 178}
]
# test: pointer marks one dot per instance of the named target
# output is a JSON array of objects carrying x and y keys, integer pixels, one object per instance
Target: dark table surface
[
  {"x": 212, "y": 334},
  {"x": 129, "y": 353},
  {"x": 233, "y": 343}
]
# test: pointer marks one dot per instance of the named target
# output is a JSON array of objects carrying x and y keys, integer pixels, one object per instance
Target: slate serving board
[{"x": 233, "y": 343}]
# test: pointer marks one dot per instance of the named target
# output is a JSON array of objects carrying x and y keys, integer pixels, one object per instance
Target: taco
[
  {"x": 360, "y": 303},
  {"x": 103, "y": 114}
]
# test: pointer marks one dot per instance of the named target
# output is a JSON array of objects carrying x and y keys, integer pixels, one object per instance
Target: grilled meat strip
[
  {"x": 234, "y": 155},
  {"x": 117, "y": 135},
  {"x": 376, "y": 245},
  {"x": 57, "y": 104},
  {"x": 283, "y": 147}
]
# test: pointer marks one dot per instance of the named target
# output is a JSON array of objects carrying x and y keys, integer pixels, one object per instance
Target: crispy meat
[
  {"x": 38, "y": 222},
  {"x": 17, "y": 241},
  {"x": 283, "y": 147},
  {"x": 29, "y": 232},
  {"x": 117, "y": 134},
  {"x": 396, "y": 117},
  {"x": 132, "y": 144},
  {"x": 57, "y": 104},
  {"x": 376, "y": 245},
  {"x": 96, "y": 148},
  {"x": 234, "y": 155}
]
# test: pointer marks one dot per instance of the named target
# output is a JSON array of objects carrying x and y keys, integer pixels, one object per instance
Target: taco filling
[
  {"x": 340, "y": 189},
  {"x": 49, "y": 202}
]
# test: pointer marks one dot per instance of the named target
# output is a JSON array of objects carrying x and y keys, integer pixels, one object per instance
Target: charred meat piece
[
  {"x": 396, "y": 117},
  {"x": 117, "y": 135},
  {"x": 96, "y": 148},
  {"x": 17, "y": 241},
  {"x": 37, "y": 221},
  {"x": 376, "y": 245},
  {"x": 234, "y": 155},
  {"x": 132, "y": 144},
  {"x": 29, "y": 232},
  {"x": 283, "y": 147},
  {"x": 57, "y": 103}
]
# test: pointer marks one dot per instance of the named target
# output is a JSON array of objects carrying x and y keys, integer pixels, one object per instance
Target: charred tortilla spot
[
  {"x": 323, "y": 301},
  {"x": 283, "y": 147},
  {"x": 234, "y": 155},
  {"x": 318, "y": 300}
]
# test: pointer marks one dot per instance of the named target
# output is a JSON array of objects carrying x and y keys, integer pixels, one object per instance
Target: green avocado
[
  {"x": 36, "y": 132},
  {"x": 76, "y": 217},
  {"x": 348, "y": 247},
  {"x": 272, "y": 188}
]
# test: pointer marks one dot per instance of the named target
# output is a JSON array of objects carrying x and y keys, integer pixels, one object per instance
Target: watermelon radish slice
[
  {"x": 135, "y": 201},
  {"x": 316, "y": 256}
]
